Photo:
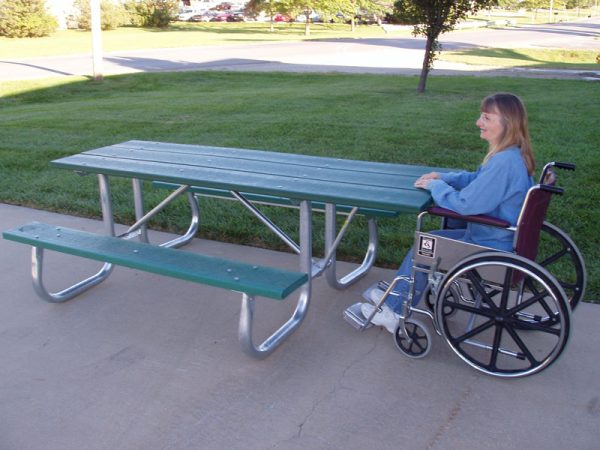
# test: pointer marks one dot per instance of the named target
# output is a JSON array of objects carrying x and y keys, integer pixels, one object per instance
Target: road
[{"x": 393, "y": 54}]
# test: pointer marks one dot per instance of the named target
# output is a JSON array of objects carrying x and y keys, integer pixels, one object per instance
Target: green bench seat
[
  {"x": 272, "y": 199},
  {"x": 234, "y": 275}
]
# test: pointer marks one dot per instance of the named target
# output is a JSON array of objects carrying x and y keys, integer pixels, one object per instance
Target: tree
[
  {"x": 576, "y": 4},
  {"x": 113, "y": 14},
  {"x": 308, "y": 7},
  {"x": 535, "y": 5},
  {"x": 269, "y": 7},
  {"x": 26, "y": 18},
  {"x": 432, "y": 18},
  {"x": 510, "y": 4},
  {"x": 152, "y": 13},
  {"x": 294, "y": 8},
  {"x": 354, "y": 8}
]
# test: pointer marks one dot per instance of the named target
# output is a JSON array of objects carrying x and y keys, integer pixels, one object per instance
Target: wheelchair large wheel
[
  {"x": 558, "y": 254},
  {"x": 452, "y": 295},
  {"x": 517, "y": 321}
]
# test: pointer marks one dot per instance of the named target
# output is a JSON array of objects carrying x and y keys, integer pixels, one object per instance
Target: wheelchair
[{"x": 506, "y": 314}]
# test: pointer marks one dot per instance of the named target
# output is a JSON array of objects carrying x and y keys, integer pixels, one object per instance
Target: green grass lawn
[
  {"x": 179, "y": 34},
  {"x": 370, "y": 117},
  {"x": 530, "y": 58},
  {"x": 537, "y": 17}
]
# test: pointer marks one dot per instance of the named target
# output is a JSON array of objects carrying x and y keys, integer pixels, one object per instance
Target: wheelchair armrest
[{"x": 480, "y": 218}]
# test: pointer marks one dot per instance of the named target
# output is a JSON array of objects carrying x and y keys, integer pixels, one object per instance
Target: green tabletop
[{"x": 331, "y": 180}]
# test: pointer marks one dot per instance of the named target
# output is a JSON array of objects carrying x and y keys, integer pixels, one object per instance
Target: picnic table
[{"x": 252, "y": 177}]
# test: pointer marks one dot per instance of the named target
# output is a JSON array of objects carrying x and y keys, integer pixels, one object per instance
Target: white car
[
  {"x": 186, "y": 14},
  {"x": 314, "y": 18}
]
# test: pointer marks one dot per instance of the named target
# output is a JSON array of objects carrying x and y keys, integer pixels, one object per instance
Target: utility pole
[{"x": 96, "y": 39}]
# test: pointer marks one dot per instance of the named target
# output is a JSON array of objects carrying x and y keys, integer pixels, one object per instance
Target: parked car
[
  {"x": 366, "y": 18},
  {"x": 186, "y": 14},
  {"x": 280, "y": 18},
  {"x": 236, "y": 16},
  {"x": 222, "y": 16},
  {"x": 314, "y": 18},
  {"x": 204, "y": 17}
]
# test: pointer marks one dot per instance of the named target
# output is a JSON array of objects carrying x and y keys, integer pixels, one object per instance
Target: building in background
[{"x": 62, "y": 10}]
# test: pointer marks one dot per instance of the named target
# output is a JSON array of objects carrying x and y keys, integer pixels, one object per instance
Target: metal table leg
[
  {"x": 248, "y": 302},
  {"x": 142, "y": 218},
  {"x": 37, "y": 256},
  {"x": 330, "y": 241}
]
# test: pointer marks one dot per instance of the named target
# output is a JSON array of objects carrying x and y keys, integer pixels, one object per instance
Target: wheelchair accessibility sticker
[{"x": 427, "y": 246}]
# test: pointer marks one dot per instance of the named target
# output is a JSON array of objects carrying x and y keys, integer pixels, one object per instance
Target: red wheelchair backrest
[
  {"x": 531, "y": 219},
  {"x": 530, "y": 222}
]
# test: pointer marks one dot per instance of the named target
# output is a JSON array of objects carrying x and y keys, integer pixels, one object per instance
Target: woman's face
[{"x": 490, "y": 126}]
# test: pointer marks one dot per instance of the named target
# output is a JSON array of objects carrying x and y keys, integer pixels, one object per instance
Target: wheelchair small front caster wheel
[{"x": 417, "y": 342}]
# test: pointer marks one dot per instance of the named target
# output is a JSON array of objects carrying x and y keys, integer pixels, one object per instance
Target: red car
[
  {"x": 280, "y": 18},
  {"x": 221, "y": 16}
]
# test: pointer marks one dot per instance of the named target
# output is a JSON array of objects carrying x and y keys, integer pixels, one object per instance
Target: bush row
[{"x": 30, "y": 18}]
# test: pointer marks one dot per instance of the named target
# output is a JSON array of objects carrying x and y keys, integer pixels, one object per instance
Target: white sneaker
[
  {"x": 375, "y": 295},
  {"x": 384, "y": 318}
]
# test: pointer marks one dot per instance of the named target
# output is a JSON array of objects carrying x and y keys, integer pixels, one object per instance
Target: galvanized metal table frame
[
  {"x": 103, "y": 167},
  {"x": 303, "y": 249},
  {"x": 333, "y": 238}
]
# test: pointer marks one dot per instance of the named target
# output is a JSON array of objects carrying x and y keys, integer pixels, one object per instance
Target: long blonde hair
[{"x": 514, "y": 120}]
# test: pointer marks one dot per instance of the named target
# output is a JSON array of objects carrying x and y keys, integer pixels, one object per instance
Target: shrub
[
  {"x": 112, "y": 15},
  {"x": 152, "y": 13},
  {"x": 25, "y": 18}
]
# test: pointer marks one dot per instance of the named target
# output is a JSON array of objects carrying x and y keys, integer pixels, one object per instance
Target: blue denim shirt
[{"x": 498, "y": 188}]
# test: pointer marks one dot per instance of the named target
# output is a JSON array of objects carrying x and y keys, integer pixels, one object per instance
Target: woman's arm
[
  {"x": 483, "y": 194},
  {"x": 457, "y": 180}
]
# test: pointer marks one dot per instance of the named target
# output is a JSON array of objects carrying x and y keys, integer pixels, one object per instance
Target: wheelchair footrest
[{"x": 354, "y": 317}]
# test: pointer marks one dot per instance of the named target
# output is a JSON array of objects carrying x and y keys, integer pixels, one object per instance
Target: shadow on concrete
[{"x": 38, "y": 67}]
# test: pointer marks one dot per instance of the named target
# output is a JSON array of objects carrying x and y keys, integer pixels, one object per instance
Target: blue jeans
[{"x": 402, "y": 288}]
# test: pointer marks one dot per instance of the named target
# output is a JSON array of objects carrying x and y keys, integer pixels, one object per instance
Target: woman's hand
[{"x": 424, "y": 180}]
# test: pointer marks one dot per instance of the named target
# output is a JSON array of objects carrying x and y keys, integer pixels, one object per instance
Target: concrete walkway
[
  {"x": 143, "y": 362},
  {"x": 393, "y": 54}
]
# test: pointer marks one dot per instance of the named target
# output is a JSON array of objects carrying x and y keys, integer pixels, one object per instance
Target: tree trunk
[{"x": 427, "y": 60}]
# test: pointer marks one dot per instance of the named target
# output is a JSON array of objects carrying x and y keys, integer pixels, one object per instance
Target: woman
[{"x": 497, "y": 188}]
